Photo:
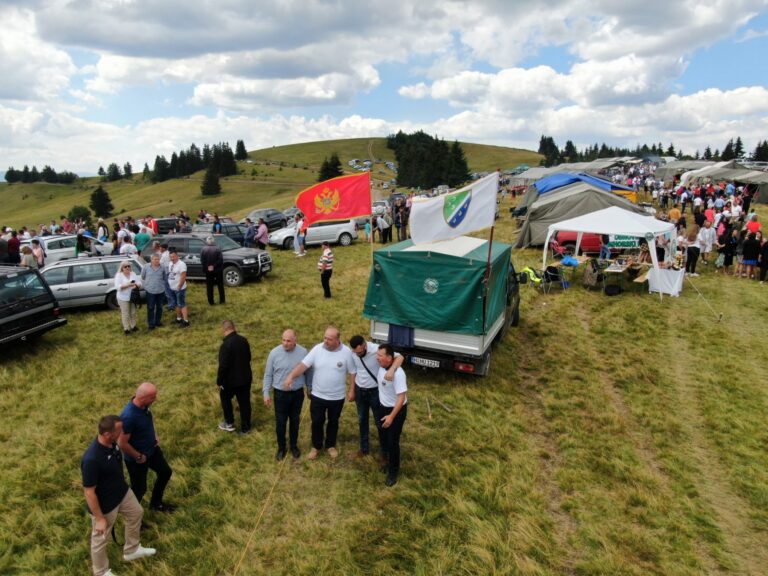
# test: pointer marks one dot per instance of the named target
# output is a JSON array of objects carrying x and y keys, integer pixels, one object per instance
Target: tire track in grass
[{"x": 748, "y": 547}]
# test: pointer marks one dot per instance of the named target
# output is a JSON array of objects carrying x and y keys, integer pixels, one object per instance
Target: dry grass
[{"x": 613, "y": 436}]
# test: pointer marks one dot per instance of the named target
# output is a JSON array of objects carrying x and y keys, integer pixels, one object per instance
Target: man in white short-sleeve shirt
[
  {"x": 332, "y": 366},
  {"x": 393, "y": 397},
  {"x": 365, "y": 355}
]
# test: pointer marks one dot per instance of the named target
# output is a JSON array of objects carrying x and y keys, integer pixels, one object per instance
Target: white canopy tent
[{"x": 617, "y": 221}]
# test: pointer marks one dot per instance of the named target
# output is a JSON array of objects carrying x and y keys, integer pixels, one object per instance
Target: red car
[{"x": 590, "y": 243}]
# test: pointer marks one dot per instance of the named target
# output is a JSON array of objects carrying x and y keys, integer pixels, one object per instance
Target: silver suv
[
  {"x": 62, "y": 247},
  {"x": 87, "y": 281},
  {"x": 334, "y": 232}
]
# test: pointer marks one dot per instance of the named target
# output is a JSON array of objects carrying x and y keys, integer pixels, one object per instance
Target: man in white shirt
[
  {"x": 393, "y": 398},
  {"x": 177, "y": 281},
  {"x": 365, "y": 355},
  {"x": 332, "y": 364}
]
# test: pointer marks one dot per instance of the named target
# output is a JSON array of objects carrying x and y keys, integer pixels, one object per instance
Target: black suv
[
  {"x": 274, "y": 219},
  {"x": 27, "y": 305},
  {"x": 234, "y": 231},
  {"x": 239, "y": 263}
]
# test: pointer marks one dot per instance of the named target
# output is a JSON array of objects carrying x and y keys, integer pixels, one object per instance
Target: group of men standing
[{"x": 329, "y": 374}]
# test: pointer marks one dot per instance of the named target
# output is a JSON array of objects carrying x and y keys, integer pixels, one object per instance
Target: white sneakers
[
  {"x": 140, "y": 552},
  {"x": 226, "y": 427}
]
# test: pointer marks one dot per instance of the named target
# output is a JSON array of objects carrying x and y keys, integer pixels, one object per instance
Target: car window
[
  {"x": 56, "y": 276},
  {"x": 68, "y": 242},
  {"x": 195, "y": 246},
  {"x": 17, "y": 287},
  {"x": 87, "y": 272},
  {"x": 179, "y": 243},
  {"x": 225, "y": 243},
  {"x": 53, "y": 245},
  {"x": 112, "y": 267}
]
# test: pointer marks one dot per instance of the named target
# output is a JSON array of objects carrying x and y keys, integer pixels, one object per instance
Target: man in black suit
[
  {"x": 212, "y": 260},
  {"x": 234, "y": 378}
]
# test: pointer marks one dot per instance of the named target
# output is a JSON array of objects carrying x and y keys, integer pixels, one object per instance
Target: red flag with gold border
[{"x": 341, "y": 198}]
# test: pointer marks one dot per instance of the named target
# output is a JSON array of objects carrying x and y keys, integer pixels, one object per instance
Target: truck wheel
[
  {"x": 345, "y": 239},
  {"x": 233, "y": 276},
  {"x": 288, "y": 243},
  {"x": 484, "y": 366},
  {"x": 516, "y": 312},
  {"x": 111, "y": 301}
]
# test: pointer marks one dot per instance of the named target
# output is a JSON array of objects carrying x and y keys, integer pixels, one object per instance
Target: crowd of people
[{"x": 328, "y": 375}]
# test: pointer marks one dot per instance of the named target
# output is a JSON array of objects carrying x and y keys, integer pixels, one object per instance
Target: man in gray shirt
[
  {"x": 154, "y": 278},
  {"x": 288, "y": 401}
]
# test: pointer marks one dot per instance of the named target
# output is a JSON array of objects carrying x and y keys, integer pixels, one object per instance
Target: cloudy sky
[{"x": 89, "y": 82}]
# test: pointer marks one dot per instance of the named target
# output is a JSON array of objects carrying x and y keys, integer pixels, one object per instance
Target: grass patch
[{"x": 613, "y": 436}]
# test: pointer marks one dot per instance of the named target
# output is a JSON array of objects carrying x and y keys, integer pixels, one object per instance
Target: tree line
[
  {"x": 425, "y": 161},
  {"x": 47, "y": 174},
  {"x": 734, "y": 149}
]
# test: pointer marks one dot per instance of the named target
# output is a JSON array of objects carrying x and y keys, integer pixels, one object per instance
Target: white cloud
[{"x": 416, "y": 91}]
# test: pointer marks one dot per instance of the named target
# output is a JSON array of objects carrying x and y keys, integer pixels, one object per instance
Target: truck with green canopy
[{"x": 443, "y": 304}]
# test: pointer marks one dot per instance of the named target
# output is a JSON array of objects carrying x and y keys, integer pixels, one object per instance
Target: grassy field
[
  {"x": 274, "y": 178},
  {"x": 617, "y": 435}
]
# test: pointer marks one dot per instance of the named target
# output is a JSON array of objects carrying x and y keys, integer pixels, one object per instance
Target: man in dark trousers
[
  {"x": 107, "y": 494},
  {"x": 234, "y": 378},
  {"x": 141, "y": 448},
  {"x": 212, "y": 260}
]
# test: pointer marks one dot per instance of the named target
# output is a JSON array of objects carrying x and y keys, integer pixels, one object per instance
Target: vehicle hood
[
  {"x": 282, "y": 233},
  {"x": 238, "y": 253}
]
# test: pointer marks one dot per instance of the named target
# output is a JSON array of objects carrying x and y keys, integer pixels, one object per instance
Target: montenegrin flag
[
  {"x": 339, "y": 198},
  {"x": 454, "y": 214}
]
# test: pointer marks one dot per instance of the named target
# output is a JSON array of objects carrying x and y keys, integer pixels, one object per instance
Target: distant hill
[{"x": 270, "y": 178}]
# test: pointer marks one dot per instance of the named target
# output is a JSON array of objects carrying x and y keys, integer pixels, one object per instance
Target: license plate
[{"x": 425, "y": 362}]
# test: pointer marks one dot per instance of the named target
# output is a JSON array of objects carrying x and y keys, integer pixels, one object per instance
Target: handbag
[
  {"x": 136, "y": 296},
  {"x": 720, "y": 261}
]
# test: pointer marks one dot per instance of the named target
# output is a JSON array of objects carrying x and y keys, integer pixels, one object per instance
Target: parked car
[
  {"x": 28, "y": 308},
  {"x": 379, "y": 206},
  {"x": 239, "y": 263},
  {"x": 291, "y": 212},
  {"x": 88, "y": 281},
  {"x": 590, "y": 243},
  {"x": 166, "y": 225},
  {"x": 274, "y": 219},
  {"x": 63, "y": 246},
  {"x": 335, "y": 232},
  {"x": 234, "y": 231}
]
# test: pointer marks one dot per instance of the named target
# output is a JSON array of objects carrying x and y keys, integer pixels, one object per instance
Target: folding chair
[
  {"x": 553, "y": 276},
  {"x": 559, "y": 251},
  {"x": 593, "y": 277}
]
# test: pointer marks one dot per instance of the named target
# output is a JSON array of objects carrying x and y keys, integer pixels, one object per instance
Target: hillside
[{"x": 271, "y": 178}]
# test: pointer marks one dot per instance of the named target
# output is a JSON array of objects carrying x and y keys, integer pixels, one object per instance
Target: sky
[{"x": 90, "y": 82}]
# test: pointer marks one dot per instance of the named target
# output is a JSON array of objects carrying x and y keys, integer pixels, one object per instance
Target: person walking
[
  {"x": 177, "y": 282},
  {"x": 126, "y": 281},
  {"x": 325, "y": 265},
  {"x": 141, "y": 448},
  {"x": 365, "y": 356},
  {"x": 154, "y": 278},
  {"x": 288, "y": 401},
  {"x": 331, "y": 361},
  {"x": 234, "y": 378},
  {"x": 107, "y": 495},
  {"x": 394, "y": 409},
  {"x": 212, "y": 260}
]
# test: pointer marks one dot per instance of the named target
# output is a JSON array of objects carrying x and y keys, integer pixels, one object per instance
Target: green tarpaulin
[{"x": 438, "y": 286}]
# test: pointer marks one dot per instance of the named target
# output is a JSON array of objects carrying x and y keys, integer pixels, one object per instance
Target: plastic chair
[{"x": 559, "y": 251}]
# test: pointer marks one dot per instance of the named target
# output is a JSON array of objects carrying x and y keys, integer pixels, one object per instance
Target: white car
[
  {"x": 63, "y": 247},
  {"x": 334, "y": 232}
]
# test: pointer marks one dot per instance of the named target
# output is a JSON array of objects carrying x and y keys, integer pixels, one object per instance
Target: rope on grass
[
  {"x": 718, "y": 315},
  {"x": 267, "y": 501}
]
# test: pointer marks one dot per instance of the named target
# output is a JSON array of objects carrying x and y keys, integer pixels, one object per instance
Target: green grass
[
  {"x": 273, "y": 180},
  {"x": 613, "y": 436}
]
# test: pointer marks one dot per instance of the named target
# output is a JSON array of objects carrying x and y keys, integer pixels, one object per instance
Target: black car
[
  {"x": 27, "y": 305},
  {"x": 274, "y": 219},
  {"x": 234, "y": 231},
  {"x": 166, "y": 225},
  {"x": 239, "y": 263}
]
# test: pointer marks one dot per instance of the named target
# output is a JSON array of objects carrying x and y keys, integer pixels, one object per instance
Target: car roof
[
  {"x": 9, "y": 270},
  {"x": 108, "y": 258}
]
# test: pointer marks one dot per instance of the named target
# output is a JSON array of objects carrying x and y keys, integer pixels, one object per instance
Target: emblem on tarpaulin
[
  {"x": 455, "y": 207},
  {"x": 327, "y": 201},
  {"x": 431, "y": 286}
]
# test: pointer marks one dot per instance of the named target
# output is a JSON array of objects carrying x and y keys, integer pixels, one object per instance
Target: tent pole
[{"x": 487, "y": 277}]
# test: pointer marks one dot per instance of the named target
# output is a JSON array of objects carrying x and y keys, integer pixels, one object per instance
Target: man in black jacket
[
  {"x": 212, "y": 260},
  {"x": 234, "y": 378}
]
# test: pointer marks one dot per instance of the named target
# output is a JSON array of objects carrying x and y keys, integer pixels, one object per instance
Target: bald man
[
  {"x": 234, "y": 378},
  {"x": 141, "y": 448}
]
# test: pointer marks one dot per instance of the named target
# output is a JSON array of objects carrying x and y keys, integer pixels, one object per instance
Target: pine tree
[
  {"x": 728, "y": 151},
  {"x": 570, "y": 153},
  {"x": 146, "y": 174},
  {"x": 458, "y": 170},
  {"x": 211, "y": 185},
  {"x": 49, "y": 175},
  {"x": 101, "y": 203},
  {"x": 127, "y": 171},
  {"x": 738, "y": 148},
  {"x": 161, "y": 171},
  {"x": 113, "y": 173},
  {"x": 102, "y": 172},
  {"x": 707, "y": 153},
  {"x": 240, "y": 152},
  {"x": 330, "y": 168},
  {"x": 12, "y": 175}
]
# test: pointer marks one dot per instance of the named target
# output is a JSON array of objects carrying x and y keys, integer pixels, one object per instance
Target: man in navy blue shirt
[
  {"x": 141, "y": 447},
  {"x": 106, "y": 494}
]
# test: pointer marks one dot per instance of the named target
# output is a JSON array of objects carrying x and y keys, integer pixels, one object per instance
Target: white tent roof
[{"x": 614, "y": 220}]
